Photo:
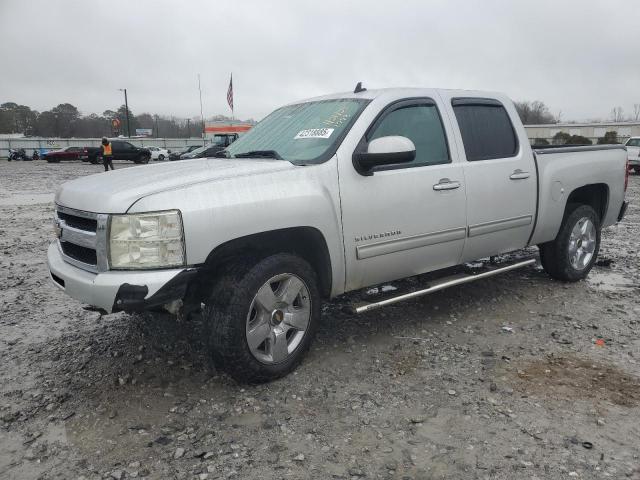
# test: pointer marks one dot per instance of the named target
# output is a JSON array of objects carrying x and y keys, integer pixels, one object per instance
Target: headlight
[{"x": 146, "y": 240}]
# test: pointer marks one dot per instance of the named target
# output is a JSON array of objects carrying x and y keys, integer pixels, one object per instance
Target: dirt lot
[{"x": 516, "y": 377}]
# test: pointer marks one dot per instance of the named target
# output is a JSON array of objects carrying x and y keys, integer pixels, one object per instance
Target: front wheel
[
  {"x": 260, "y": 318},
  {"x": 161, "y": 157},
  {"x": 572, "y": 254},
  {"x": 637, "y": 170}
]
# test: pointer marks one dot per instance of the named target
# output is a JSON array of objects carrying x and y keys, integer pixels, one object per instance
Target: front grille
[
  {"x": 81, "y": 254},
  {"x": 81, "y": 223},
  {"x": 82, "y": 238}
]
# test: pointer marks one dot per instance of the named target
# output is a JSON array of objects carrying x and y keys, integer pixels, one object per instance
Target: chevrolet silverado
[{"x": 326, "y": 196}]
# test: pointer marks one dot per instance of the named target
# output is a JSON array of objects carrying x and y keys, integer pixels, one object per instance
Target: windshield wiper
[{"x": 259, "y": 153}]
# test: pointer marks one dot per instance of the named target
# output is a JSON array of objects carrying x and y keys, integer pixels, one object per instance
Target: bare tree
[
  {"x": 617, "y": 114},
  {"x": 636, "y": 111},
  {"x": 534, "y": 113}
]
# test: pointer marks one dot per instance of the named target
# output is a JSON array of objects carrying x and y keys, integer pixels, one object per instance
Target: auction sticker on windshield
[{"x": 315, "y": 133}]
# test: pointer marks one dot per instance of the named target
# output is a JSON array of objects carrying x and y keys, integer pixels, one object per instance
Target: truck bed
[{"x": 564, "y": 168}]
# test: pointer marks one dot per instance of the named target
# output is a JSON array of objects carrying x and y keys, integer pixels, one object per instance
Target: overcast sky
[{"x": 580, "y": 57}]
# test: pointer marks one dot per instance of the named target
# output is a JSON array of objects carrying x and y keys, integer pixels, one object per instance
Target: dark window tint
[
  {"x": 422, "y": 125},
  {"x": 486, "y": 131}
]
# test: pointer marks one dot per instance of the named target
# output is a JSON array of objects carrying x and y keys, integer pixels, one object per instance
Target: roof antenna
[{"x": 359, "y": 88}]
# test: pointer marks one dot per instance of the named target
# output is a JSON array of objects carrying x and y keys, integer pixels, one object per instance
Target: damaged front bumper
[{"x": 119, "y": 290}]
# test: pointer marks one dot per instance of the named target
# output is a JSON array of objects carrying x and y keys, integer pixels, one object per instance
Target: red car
[{"x": 67, "y": 153}]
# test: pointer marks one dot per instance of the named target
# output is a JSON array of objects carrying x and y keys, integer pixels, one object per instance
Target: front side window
[
  {"x": 422, "y": 125},
  {"x": 303, "y": 133},
  {"x": 486, "y": 129},
  {"x": 633, "y": 142}
]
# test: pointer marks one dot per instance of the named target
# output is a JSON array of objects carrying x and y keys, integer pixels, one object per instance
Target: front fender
[{"x": 222, "y": 210}]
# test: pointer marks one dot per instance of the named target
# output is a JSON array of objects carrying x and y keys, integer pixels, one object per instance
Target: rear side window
[
  {"x": 486, "y": 129},
  {"x": 422, "y": 125}
]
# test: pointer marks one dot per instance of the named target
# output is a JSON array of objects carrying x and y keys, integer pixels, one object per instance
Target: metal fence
[{"x": 47, "y": 144}]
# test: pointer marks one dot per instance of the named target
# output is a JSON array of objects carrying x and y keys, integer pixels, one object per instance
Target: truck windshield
[{"x": 303, "y": 133}]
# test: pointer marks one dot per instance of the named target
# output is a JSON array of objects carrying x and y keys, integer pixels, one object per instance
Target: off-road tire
[
  {"x": 227, "y": 307},
  {"x": 554, "y": 255}
]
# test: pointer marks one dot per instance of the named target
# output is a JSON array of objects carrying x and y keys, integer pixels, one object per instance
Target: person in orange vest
[{"x": 107, "y": 154}]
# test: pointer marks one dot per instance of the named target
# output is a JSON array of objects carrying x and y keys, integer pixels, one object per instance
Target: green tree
[
  {"x": 46, "y": 125},
  {"x": 578, "y": 140},
  {"x": 609, "y": 138},
  {"x": 66, "y": 116},
  {"x": 16, "y": 118},
  {"x": 560, "y": 138}
]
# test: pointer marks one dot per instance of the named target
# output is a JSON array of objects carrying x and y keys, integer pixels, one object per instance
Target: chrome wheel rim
[
  {"x": 278, "y": 318},
  {"x": 582, "y": 243}
]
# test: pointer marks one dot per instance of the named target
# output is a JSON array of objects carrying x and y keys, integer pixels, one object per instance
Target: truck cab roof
[{"x": 391, "y": 94}]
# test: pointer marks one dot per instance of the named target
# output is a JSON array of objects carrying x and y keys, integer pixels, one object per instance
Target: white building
[{"x": 592, "y": 131}]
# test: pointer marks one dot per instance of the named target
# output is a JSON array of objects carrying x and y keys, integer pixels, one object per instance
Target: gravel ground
[{"x": 518, "y": 376}]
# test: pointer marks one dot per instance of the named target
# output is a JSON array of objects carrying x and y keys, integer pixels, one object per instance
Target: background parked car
[
  {"x": 122, "y": 150},
  {"x": 633, "y": 153},
  {"x": 66, "y": 153},
  {"x": 175, "y": 155},
  {"x": 159, "y": 153},
  {"x": 219, "y": 143}
]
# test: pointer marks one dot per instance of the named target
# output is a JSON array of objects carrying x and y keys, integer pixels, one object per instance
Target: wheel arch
[
  {"x": 596, "y": 195},
  {"x": 307, "y": 242}
]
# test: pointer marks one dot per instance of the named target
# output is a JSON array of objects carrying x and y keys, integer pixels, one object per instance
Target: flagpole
[{"x": 201, "y": 114}]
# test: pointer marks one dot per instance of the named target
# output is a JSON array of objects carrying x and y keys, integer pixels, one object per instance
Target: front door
[{"x": 404, "y": 219}]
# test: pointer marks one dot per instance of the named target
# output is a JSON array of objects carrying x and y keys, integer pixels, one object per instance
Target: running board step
[{"x": 443, "y": 283}]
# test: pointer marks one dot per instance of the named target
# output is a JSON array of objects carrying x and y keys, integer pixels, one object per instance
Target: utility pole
[
  {"x": 126, "y": 107},
  {"x": 188, "y": 128},
  {"x": 157, "y": 129}
]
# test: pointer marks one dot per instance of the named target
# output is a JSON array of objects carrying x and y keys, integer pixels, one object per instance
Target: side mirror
[{"x": 384, "y": 151}]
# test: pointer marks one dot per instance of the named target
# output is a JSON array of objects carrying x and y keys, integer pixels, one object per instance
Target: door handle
[
  {"x": 519, "y": 175},
  {"x": 446, "y": 184}
]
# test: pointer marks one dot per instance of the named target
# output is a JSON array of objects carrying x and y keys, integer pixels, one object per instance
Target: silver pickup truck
[{"x": 326, "y": 196}]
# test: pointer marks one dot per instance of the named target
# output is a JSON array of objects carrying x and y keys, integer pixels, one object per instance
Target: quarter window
[
  {"x": 486, "y": 129},
  {"x": 422, "y": 125}
]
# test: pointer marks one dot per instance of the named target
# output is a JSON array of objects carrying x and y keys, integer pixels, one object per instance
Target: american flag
[{"x": 230, "y": 93}]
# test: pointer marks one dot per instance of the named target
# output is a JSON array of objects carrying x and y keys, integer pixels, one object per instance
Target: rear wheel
[
  {"x": 572, "y": 254},
  {"x": 637, "y": 170},
  {"x": 261, "y": 317}
]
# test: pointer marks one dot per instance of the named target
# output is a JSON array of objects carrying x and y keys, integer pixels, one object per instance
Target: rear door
[
  {"x": 403, "y": 219},
  {"x": 499, "y": 172}
]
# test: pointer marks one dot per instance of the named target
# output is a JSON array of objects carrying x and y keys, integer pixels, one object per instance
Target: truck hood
[{"x": 116, "y": 191}]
